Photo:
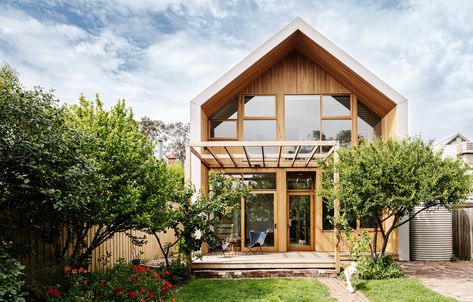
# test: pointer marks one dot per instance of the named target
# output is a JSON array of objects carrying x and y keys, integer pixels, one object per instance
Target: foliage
[
  {"x": 296, "y": 289},
  {"x": 358, "y": 242},
  {"x": 188, "y": 218},
  {"x": 402, "y": 289},
  {"x": 179, "y": 272},
  {"x": 175, "y": 136},
  {"x": 11, "y": 285},
  {"x": 121, "y": 283},
  {"x": 44, "y": 179},
  {"x": 128, "y": 175},
  {"x": 384, "y": 181},
  {"x": 383, "y": 267}
]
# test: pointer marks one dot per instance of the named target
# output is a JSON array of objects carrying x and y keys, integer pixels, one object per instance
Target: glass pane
[
  {"x": 300, "y": 180},
  {"x": 336, "y": 105},
  {"x": 369, "y": 123},
  {"x": 337, "y": 130},
  {"x": 261, "y": 181},
  {"x": 259, "y": 130},
  {"x": 302, "y": 117},
  {"x": 366, "y": 222},
  {"x": 229, "y": 228},
  {"x": 327, "y": 215},
  {"x": 261, "y": 105},
  {"x": 259, "y": 217},
  {"x": 230, "y": 111},
  {"x": 299, "y": 220},
  {"x": 223, "y": 129}
]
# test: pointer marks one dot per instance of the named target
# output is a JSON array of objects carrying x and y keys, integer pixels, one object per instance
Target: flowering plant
[{"x": 121, "y": 283}]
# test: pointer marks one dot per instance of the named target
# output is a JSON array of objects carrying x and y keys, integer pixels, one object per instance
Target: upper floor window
[
  {"x": 302, "y": 117},
  {"x": 369, "y": 123},
  {"x": 259, "y": 118},
  {"x": 223, "y": 124}
]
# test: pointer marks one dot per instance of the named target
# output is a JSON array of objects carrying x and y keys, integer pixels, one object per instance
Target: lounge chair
[
  {"x": 215, "y": 246},
  {"x": 256, "y": 240}
]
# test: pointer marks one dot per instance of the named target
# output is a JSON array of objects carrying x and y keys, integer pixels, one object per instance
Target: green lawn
[
  {"x": 403, "y": 289},
  {"x": 218, "y": 290}
]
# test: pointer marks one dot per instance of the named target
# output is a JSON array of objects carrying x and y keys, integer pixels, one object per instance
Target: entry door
[{"x": 300, "y": 221}]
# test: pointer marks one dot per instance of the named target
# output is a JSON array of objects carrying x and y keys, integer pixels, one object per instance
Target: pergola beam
[
  {"x": 262, "y": 156},
  {"x": 295, "y": 155},
  {"x": 231, "y": 157},
  {"x": 247, "y": 157},
  {"x": 197, "y": 154},
  {"x": 215, "y": 157},
  {"x": 311, "y": 156},
  {"x": 336, "y": 211}
]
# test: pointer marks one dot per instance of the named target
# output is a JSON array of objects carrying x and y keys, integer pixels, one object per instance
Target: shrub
[
  {"x": 383, "y": 267},
  {"x": 11, "y": 270},
  {"x": 177, "y": 272}
]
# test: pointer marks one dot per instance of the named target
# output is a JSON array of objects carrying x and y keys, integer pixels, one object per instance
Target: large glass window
[
  {"x": 260, "y": 181},
  {"x": 259, "y": 130},
  {"x": 259, "y": 216},
  {"x": 302, "y": 117},
  {"x": 223, "y": 124},
  {"x": 260, "y": 105},
  {"x": 337, "y": 130},
  {"x": 369, "y": 123},
  {"x": 336, "y": 105}
]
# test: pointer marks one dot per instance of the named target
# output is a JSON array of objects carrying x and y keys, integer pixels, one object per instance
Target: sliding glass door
[{"x": 260, "y": 216}]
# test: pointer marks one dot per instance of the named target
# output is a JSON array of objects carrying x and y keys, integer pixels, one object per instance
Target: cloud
[{"x": 159, "y": 55}]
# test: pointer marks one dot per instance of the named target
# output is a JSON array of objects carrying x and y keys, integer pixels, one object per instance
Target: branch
[{"x": 412, "y": 217}]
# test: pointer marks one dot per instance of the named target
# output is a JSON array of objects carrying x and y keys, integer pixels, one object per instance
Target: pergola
[{"x": 269, "y": 154}]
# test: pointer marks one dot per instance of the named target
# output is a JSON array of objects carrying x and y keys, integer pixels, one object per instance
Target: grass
[
  {"x": 402, "y": 289},
  {"x": 254, "y": 290}
]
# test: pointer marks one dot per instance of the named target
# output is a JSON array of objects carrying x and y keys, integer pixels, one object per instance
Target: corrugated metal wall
[{"x": 431, "y": 235}]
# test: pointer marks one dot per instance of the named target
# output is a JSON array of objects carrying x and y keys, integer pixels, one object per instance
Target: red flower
[
  {"x": 82, "y": 270},
  {"x": 142, "y": 300},
  {"x": 68, "y": 268},
  {"x": 102, "y": 283},
  {"x": 142, "y": 289},
  {"x": 74, "y": 271},
  {"x": 167, "y": 284},
  {"x": 53, "y": 292},
  {"x": 165, "y": 273},
  {"x": 162, "y": 299},
  {"x": 117, "y": 290},
  {"x": 154, "y": 273},
  {"x": 173, "y": 299},
  {"x": 151, "y": 294},
  {"x": 132, "y": 295},
  {"x": 158, "y": 279}
]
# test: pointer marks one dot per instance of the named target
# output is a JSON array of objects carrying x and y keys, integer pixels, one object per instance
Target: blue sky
[{"x": 160, "y": 54}]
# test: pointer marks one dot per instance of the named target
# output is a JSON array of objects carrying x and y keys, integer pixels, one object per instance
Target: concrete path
[
  {"x": 453, "y": 279},
  {"x": 338, "y": 290}
]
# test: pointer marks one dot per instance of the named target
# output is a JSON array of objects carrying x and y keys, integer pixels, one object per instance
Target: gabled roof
[
  {"x": 298, "y": 34},
  {"x": 451, "y": 139}
]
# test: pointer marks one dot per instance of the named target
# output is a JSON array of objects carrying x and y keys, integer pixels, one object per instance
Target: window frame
[
  {"x": 257, "y": 118},
  {"x": 211, "y": 119}
]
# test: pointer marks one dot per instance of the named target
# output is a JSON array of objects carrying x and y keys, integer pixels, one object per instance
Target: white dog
[{"x": 351, "y": 272}]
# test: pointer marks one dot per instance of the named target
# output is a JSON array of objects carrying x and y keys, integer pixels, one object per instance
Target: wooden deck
[{"x": 286, "y": 260}]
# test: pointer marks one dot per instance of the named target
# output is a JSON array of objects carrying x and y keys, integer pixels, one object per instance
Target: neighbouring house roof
[
  {"x": 300, "y": 35},
  {"x": 452, "y": 139}
]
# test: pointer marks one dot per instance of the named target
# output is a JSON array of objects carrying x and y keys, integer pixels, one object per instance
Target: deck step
[{"x": 265, "y": 273}]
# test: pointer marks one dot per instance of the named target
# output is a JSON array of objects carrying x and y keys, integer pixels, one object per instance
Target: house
[
  {"x": 461, "y": 147},
  {"x": 272, "y": 117}
]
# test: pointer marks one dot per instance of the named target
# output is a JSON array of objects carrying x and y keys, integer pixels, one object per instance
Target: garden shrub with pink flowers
[{"x": 121, "y": 283}]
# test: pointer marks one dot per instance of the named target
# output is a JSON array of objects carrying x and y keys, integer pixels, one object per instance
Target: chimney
[{"x": 171, "y": 157}]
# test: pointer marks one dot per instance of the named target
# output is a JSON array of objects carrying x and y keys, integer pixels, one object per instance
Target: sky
[{"x": 158, "y": 55}]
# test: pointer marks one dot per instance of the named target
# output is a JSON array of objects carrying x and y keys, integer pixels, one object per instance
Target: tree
[
  {"x": 127, "y": 173},
  {"x": 191, "y": 220},
  {"x": 175, "y": 136},
  {"x": 44, "y": 179},
  {"x": 384, "y": 181}
]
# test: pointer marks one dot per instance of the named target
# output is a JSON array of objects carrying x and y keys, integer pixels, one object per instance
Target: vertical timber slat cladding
[
  {"x": 431, "y": 234},
  {"x": 463, "y": 232},
  {"x": 295, "y": 74}
]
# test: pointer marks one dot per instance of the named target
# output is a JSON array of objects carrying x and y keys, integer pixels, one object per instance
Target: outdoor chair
[
  {"x": 256, "y": 240},
  {"x": 215, "y": 246}
]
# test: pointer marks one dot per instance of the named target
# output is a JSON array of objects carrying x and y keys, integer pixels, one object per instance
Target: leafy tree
[
  {"x": 43, "y": 177},
  {"x": 191, "y": 220},
  {"x": 175, "y": 136},
  {"x": 127, "y": 173},
  {"x": 384, "y": 181}
]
